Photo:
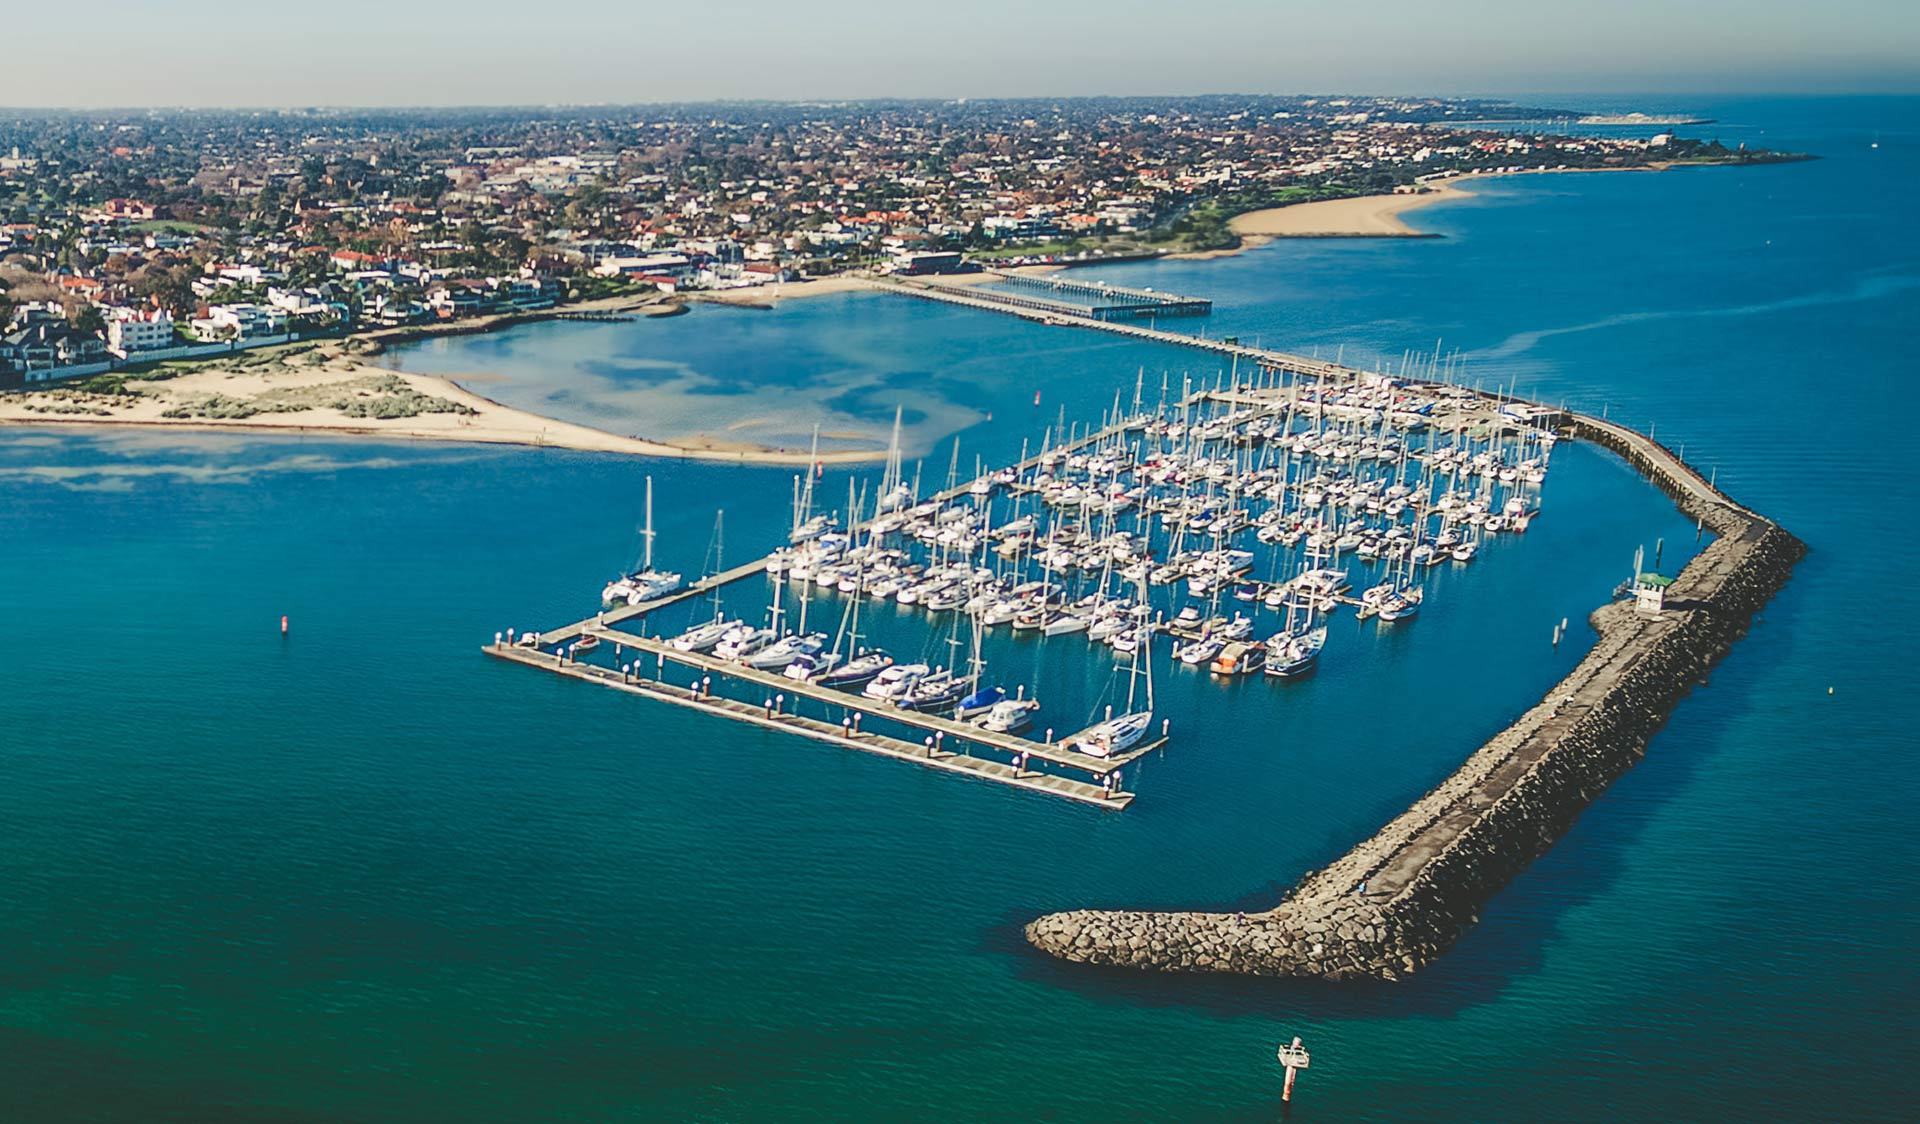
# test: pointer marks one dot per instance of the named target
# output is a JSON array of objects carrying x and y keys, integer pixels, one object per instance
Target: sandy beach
[
  {"x": 333, "y": 392},
  {"x": 1364, "y": 216},
  {"x": 765, "y": 296},
  {"x": 1367, "y": 216}
]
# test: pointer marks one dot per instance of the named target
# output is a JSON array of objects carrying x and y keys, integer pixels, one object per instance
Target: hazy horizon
[{"x": 223, "y": 54}]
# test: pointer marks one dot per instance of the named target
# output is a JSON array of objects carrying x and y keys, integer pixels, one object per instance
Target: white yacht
[
  {"x": 645, "y": 584},
  {"x": 895, "y": 681},
  {"x": 702, "y": 637}
]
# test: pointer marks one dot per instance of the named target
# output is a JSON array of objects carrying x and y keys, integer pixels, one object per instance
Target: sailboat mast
[{"x": 646, "y": 536}]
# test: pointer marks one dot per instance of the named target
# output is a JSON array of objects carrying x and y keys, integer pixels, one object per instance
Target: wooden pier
[
  {"x": 623, "y": 613},
  {"x": 597, "y": 315},
  {"x": 1056, "y": 753},
  {"x": 948, "y": 756},
  {"x": 1108, "y": 301},
  {"x": 1119, "y": 307}
]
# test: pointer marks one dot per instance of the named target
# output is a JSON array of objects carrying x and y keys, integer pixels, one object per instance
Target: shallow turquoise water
[
  {"x": 845, "y": 360},
  {"x": 365, "y": 874}
]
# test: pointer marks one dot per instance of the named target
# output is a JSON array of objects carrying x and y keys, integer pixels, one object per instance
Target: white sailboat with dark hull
[
  {"x": 806, "y": 525},
  {"x": 846, "y": 666},
  {"x": 1117, "y": 734},
  {"x": 856, "y": 672},
  {"x": 706, "y": 636},
  {"x": 1289, "y": 657},
  {"x": 646, "y": 583}
]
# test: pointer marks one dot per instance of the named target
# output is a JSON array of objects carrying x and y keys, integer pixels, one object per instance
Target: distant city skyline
[{"x": 356, "y": 53}]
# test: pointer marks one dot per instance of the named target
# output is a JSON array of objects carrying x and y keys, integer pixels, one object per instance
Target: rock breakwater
[{"x": 1399, "y": 899}]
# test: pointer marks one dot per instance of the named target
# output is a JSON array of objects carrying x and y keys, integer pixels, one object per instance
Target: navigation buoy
[
  {"x": 1295, "y": 1058},
  {"x": 283, "y": 626}
]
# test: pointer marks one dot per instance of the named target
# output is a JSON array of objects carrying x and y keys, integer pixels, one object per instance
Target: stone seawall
[{"x": 1398, "y": 900}]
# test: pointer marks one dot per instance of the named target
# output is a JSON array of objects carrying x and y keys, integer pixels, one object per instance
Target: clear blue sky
[{"x": 358, "y": 52}]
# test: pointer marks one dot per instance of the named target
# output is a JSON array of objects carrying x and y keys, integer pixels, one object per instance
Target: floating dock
[{"x": 949, "y": 754}]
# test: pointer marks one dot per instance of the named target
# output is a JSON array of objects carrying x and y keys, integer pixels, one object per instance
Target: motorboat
[
  {"x": 1240, "y": 658},
  {"x": 807, "y": 669},
  {"x": 1008, "y": 716},
  {"x": 895, "y": 681},
  {"x": 743, "y": 641}
]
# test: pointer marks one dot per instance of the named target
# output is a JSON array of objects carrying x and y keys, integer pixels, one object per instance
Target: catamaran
[{"x": 646, "y": 583}]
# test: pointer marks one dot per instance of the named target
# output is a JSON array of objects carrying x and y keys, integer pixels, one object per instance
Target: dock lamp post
[{"x": 1294, "y": 1057}]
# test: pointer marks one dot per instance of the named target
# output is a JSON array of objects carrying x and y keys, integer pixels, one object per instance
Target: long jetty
[
  {"x": 1104, "y": 301},
  {"x": 1060, "y": 313},
  {"x": 946, "y": 758}
]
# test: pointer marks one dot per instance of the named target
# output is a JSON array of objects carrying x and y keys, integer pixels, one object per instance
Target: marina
[
  {"x": 1231, "y": 521},
  {"x": 480, "y": 887}
]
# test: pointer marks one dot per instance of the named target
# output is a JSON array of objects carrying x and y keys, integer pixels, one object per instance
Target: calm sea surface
[{"x": 363, "y": 873}]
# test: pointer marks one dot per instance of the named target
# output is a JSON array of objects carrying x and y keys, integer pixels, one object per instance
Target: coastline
[
  {"x": 474, "y": 418},
  {"x": 1366, "y": 216}
]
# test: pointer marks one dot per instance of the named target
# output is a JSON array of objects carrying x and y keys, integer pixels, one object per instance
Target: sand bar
[{"x": 326, "y": 392}]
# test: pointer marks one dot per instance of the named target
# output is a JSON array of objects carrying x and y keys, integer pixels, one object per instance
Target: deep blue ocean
[{"x": 362, "y": 873}]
